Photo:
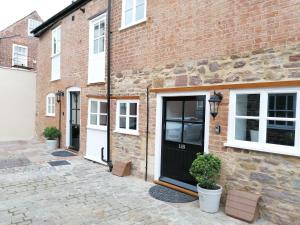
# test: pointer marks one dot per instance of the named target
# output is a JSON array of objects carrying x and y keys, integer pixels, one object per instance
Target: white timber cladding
[
  {"x": 275, "y": 125},
  {"x": 56, "y": 51},
  {"x": 50, "y": 104},
  {"x": 127, "y": 119},
  {"x": 19, "y": 55},
  {"x": 133, "y": 12},
  {"x": 97, "y": 49}
]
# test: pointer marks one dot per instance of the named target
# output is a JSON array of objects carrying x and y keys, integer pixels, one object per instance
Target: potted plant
[
  {"x": 51, "y": 134},
  {"x": 206, "y": 170}
]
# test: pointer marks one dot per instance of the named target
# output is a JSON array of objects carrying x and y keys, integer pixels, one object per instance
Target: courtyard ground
[{"x": 83, "y": 193}]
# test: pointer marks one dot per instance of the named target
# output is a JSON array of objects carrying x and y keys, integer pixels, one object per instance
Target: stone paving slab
[{"x": 84, "y": 193}]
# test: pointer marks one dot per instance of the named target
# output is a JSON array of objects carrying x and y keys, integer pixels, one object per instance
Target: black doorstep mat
[
  {"x": 169, "y": 195},
  {"x": 63, "y": 154},
  {"x": 59, "y": 163}
]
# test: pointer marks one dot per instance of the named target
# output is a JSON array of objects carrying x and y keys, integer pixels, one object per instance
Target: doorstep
[{"x": 180, "y": 189}]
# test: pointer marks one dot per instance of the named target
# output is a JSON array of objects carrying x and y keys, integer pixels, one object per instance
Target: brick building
[
  {"x": 18, "y": 47},
  {"x": 167, "y": 58}
]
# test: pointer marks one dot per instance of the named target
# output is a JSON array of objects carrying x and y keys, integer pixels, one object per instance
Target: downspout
[
  {"x": 147, "y": 133},
  {"x": 108, "y": 160}
]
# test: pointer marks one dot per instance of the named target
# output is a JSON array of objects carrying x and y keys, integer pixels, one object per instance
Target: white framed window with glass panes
[
  {"x": 133, "y": 12},
  {"x": 50, "y": 105},
  {"x": 97, "y": 118},
  {"x": 127, "y": 119},
  {"x": 265, "y": 120},
  {"x": 32, "y": 24}
]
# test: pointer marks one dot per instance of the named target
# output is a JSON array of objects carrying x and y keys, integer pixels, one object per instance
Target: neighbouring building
[
  {"x": 18, "y": 46},
  {"x": 167, "y": 58},
  {"x": 18, "y": 52}
]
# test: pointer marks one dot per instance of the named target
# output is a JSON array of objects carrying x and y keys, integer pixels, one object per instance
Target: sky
[{"x": 13, "y": 10}]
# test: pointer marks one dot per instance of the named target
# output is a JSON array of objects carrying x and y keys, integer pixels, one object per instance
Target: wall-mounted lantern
[
  {"x": 59, "y": 95},
  {"x": 214, "y": 103}
]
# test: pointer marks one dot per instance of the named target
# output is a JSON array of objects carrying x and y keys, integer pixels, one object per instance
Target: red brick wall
[{"x": 20, "y": 30}]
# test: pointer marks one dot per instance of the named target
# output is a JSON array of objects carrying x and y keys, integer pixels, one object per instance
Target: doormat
[
  {"x": 11, "y": 163},
  {"x": 59, "y": 163},
  {"x": 62, "y": 154},
  {"x": 169, "y": 195}
]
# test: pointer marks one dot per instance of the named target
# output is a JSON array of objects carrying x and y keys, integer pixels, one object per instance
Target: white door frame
[
  {"x": 71, "y": 89},
  {"x": 158, "y": 131}
]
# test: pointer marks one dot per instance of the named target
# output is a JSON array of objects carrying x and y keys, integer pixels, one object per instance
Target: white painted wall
[{"x": 17, "y": 104}]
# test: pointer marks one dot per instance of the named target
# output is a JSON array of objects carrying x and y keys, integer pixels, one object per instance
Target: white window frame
[
  {"x": 261, "y": 145},
  {"x": 52, "y": 113},
  {"x": 56, "y": 54},
  {"x": 127, "y": 130},
  {"x": 98, "y": 114},
  {"x": 29, "y": 28},
  {"x": 134, "y": 21},
  {"x": 13, "y": 55}
]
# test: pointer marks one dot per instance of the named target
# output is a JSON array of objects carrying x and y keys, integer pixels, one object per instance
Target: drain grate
[
  {"x": 62, "y": 154},
  {"x": 169, "y": 195},
  {"x": 11, "y": 163},
  {"x": 59, "y": 163}
]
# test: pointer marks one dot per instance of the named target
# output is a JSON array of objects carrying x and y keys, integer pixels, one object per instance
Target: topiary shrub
[
  {"x": 206, "y": 170},
  {"x": 51, "y": 133}
]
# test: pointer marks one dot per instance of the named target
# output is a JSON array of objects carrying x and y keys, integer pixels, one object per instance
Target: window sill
[
  {"x": 55, "y": 80},
  {"x": 133, "y": 24},
  {"x": 134, "y": 133},
  {"x": 47, "y": 115},
  {"x": 97, "y": 128},
  {"x": 268, "y": 148}
]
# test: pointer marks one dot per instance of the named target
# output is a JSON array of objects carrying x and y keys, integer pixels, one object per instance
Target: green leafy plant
[
  {"x": 206, "y": 170},
  {"x": 51, "y": 133}
]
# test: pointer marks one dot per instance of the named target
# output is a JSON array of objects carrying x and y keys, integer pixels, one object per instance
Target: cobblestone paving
[{"x": 83, "y": 193}]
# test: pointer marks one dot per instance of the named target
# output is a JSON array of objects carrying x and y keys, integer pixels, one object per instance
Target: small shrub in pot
[
  {"x": 51, "y": 134},
  {"x": 206, "y": 170}
]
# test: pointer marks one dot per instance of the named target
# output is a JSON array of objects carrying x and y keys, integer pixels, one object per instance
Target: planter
[
  {"x": 52, "y": 144},
  {"x": 209, "y": 200}
]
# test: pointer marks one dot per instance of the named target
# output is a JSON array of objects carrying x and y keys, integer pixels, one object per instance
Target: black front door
[
  {"x": 74, "y": 120},
  {"x": 182, "y": 138}
]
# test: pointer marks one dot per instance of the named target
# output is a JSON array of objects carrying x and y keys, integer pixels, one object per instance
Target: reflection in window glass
[
  {"x": 122, "y": 108},
  {"x": 193, "y": 133},
  {"x": 94, "y": 106},
  {"x": 174, "y": 110},
  {"x": 122, "y": 122},
  {"x": 133, "y": 109},
  {"x": 103, "y": 120},
  {"x": 140, "y": 7},
  {"x": 193, "y": 111},
  {"x": 247, "y": 104},
  {"x": 173, "y": 131},
  {"x": 246, "y": 130},
  {"x": 93, "y": 119},
  {"x": 132, "y": 123},
  {"x": 281, "y": 134}
]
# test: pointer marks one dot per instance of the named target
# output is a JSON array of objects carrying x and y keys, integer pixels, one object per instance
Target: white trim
[
  {"x": 134, "y": 21},
  {"x": 262, "y": 145},
  {"x": 98, "y": 114},
  {"x": 51, "y": 114},
  {"x": 127, "y": 130},
  {"x": 71, "y": 89},
  {"x": 158, "y": 129},
  {"x": 13, "y": 55}
]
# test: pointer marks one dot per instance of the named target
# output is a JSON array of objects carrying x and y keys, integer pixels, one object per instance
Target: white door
[
  {"x": 97, "y": 49},
  {"x": 96, "y": 141}
]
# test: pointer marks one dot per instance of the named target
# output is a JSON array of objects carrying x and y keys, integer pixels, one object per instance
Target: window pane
[
  {"x": 193, "y": 133},
  {"x": 93, "y": 119},
  {"x": 247, "y": 130},
  {"x": 129, "y": 4},
  {"x": 173, "y": 131},
  {"x": 96, "y": 46},
  {"x": 247, "y": 104},
  {"x": 122, "y": 122},
  {"x": 122, "y": 108},
  {"x": 96, "y": 31},
  {"x": 128, "y": 16},
  {"x": 140, "y": 12},
  {"x": 133, "y": 109},
  {"x": 282, "y": 105},
  {"x": 102, "y": 28},
  {"x": 193, "y": 111},
  {"x": 94, "y": 106},
  {"x": 103, "y": 120},
  {"x": 281, "y": 133},
  {"x": 103, "y": 107},
  {"x": 101, "y": 44},
  {"x": 132, "y": 123},
  {"x": 174, "y": 110}
]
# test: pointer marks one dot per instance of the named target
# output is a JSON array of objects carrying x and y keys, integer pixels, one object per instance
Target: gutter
[{"x": 108, "y": 160}]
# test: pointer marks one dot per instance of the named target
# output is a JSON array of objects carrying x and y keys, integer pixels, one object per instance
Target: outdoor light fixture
[
  {"x": 58, "y": 95},
  {"x": 214, "y": 103}
]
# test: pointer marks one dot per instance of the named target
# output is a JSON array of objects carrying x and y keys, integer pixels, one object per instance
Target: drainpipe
[
  {"x": 147, "y": 133},
  {"x": 108, "y": 160}
]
